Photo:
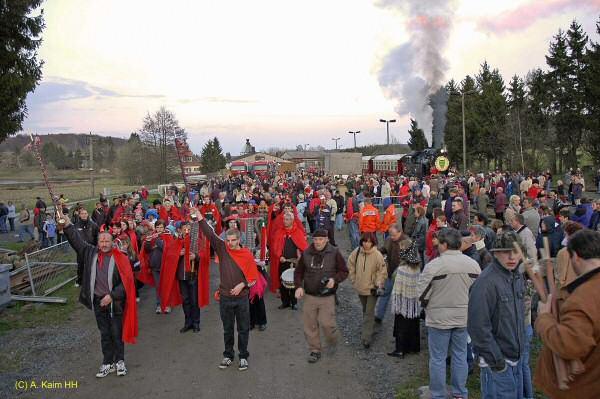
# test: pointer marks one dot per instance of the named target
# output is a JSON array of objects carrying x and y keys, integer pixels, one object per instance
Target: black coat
[
  {"x": 88, "y": 231},
  {"x": 89, "y": 255}
]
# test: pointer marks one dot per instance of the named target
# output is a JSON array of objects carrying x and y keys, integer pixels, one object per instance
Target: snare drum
[{"x": 287, "y": 278}]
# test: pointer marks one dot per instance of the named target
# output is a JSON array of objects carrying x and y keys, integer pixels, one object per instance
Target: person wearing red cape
[
  {"x": 238, "y": 272},
  {"x": 169, "y": 212},
  {"x": 288, "y": 243},
  {"x": 108, "y": 288}
]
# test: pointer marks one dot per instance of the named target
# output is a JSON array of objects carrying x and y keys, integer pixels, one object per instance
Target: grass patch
[
  {"x": 13, "y": 246},
  {"x": 30, "y": 314},
  {"x": 409, "y": 390}
]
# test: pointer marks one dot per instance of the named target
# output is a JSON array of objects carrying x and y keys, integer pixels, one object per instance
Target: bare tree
[{"x": 158, "y": 135}]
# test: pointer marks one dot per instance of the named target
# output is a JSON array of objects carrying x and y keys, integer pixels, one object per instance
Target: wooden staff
[{"x": 37, "y": 153}]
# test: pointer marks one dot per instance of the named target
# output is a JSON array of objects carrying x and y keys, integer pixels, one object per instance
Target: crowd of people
[{"x": 465, "y": 255}]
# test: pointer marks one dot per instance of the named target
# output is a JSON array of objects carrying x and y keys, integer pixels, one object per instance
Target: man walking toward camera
[
  {"x": 497, "y": 320},
  {"x": 320, "y": 270},
  {"x": 444, "y": 290}
]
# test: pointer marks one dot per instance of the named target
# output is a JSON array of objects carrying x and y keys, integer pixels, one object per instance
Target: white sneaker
[
  {"x": 158, "y": 311},
  {"x": 121, "y": 369},
  {"x": 168, "y": 310},
  {"x": 243, "y": 365},
  {"x": 105, "y": 370},
  {"x": 226, "y": 362}
]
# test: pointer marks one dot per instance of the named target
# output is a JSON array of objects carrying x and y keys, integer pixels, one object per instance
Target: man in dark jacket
[
  {"x": 88, "y": 230},
  {"x": 107, "y": 288},
  {"x": 459, "y": 220},
  {"x": 321, "y": 268},
  {"x": 496, "y": 320}
]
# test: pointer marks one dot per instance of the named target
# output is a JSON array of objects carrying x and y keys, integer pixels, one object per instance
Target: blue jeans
[
  {"x": 383, "y": 300},
  {"x": 156, "y": 275},
  {"x": 25, "y": 229},
  {"x": 51, "y": 241},
  {"x": 452, "y": 341},
  {"x": 339, "y": 221},
  {"x": 528, "y": 391},
  {"x": 3, "y": 226},
  {"x": 353, "y": 233},
  {"x": 502, "y": 385}
]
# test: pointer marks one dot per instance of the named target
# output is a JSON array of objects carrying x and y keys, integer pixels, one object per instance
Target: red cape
[
  {"x": 169, "y": 289},
  {"x": 145, "y": 274},
  {"x": 297, "y": 235},
  {"x": 173, "y": 214},
  {"x": 244, "y": 259},
  {"x": 130, "y": 320}
]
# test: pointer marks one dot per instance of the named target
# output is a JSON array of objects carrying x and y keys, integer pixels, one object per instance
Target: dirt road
[{"x": 167, "y": 364}]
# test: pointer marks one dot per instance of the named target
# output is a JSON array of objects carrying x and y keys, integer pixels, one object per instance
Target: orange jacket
[
  {"x": 389, "y": 218},
  {"x": 368, "y": 219}
]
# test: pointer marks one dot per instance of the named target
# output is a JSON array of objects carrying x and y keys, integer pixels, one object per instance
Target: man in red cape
[
  {"x": 108, "y": 288},
  {"x": 210, "y": 212},
  {"x": 169, "y": 212},
  {"x": 238, "y": 272},
  {"x": 168, "y": 287},
  {"x": 288, "y": 242}
]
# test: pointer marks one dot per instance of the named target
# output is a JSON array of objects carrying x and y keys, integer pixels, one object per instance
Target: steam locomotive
[{"x": 415, "y": 163}]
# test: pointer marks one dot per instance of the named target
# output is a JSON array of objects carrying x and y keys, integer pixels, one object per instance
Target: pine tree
[
  {"x": 516, "y": 104},
  {"x": 491, "y": 110},
  {"x": 212, "y": 157},
  {"x": 417, "y": 141},
  {"x": 592, "y": 99},
  {"x": 20, "y": 68}
]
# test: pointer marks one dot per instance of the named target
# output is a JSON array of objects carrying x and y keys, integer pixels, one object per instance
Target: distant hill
[
  {"x": 380, "y": 149},
  {"x": 69, "y": 141}
]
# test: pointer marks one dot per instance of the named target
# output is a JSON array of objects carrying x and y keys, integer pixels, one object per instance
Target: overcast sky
[{"x": 279, "y": 72}]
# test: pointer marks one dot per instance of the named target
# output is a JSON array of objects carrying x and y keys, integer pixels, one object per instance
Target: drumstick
[{"x": 537, "y": 281}]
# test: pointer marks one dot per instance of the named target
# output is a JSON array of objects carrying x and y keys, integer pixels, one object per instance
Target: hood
[{"x": 550, "y": 223}]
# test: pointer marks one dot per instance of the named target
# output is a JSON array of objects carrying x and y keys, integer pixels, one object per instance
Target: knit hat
[
  {"x": 505, "y": 242},
  {"x": 320, "y": 233}
]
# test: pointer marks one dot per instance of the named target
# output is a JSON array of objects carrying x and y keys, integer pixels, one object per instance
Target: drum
[{"x": 287, "y": 278}]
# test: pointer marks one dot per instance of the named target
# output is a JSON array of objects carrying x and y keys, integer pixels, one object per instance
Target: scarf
[{"x": 405, "y": 297}]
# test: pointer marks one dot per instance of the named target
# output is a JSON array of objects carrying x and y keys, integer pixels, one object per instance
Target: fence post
[{"x": 30, "y": 275}]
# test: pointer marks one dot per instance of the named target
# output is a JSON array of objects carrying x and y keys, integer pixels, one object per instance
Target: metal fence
[{"x": 45, "y": 271}]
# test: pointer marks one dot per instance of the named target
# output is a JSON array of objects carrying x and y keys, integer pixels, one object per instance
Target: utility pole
[
  {"x": 387, "y": 125},
  {"x": 354, "y": 133},
  {"x": 336, "y": 141},
  {"x": 92, "y": 163}
]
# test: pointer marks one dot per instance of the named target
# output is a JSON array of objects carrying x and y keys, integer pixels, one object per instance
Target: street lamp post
[
  {"x": 387, "y": 125},
  {"x": 336, "y": 141},
  {"x": 354, "y": 133}
]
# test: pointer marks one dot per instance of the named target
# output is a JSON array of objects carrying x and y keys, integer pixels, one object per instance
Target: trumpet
[{"x": 155, "y": 235}]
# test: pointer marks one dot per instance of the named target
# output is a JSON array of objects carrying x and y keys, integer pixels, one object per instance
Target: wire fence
[{"x": 45, "y": 271}]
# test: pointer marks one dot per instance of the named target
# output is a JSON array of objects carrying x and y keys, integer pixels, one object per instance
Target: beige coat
[
  {"x": 451, "y": 276},
  {"x": 367, "y": 270}
]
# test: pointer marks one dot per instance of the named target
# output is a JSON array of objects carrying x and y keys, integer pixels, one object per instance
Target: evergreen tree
[
  {"x": 516, "y": 104},
  {"x": 20, "y": 68},
  {"x": 212, "y": 157},
  {"x": 539, "y": 132},
  {"x": 491, "y": 109},
  {"x": 592, "y": 99},
  {"x": 417, "y": 141}
]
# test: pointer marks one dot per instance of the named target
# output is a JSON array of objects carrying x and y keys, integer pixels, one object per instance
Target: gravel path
[{"x": 165, "y": 363}]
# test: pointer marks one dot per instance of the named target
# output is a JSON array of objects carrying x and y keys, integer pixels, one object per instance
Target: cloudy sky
[{"x": 279, "y": 72}]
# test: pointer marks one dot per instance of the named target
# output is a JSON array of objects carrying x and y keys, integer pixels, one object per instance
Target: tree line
[{"x": 548, "y": 119}]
